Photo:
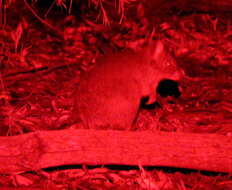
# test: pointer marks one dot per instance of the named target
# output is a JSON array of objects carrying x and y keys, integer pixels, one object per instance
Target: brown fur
[{"x": 109, "y": 95}]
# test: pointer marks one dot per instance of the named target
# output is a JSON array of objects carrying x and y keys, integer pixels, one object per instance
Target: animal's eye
[{"x": 168, "y": 63}]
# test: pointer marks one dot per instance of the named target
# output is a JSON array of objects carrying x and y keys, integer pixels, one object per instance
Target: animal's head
[{"x": 163, "y": 61}]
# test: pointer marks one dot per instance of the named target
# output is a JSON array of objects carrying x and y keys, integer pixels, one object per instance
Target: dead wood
[{"x": 45, "y": 149}]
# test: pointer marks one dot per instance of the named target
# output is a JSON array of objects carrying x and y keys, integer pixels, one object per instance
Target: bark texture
[{"x": 45, "y": 149}]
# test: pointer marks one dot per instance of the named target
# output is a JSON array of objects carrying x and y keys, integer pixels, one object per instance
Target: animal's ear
[{"x": 156, "y": 50}]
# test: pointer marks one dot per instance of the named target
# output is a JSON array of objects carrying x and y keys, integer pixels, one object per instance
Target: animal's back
[{"x": 108, "y": 96}]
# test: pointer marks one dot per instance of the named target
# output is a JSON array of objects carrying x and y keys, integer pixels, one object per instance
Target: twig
[{"x": 57, "y": 32}]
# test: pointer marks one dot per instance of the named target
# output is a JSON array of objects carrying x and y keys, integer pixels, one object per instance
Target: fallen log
[{"x": 44, "y": 149}]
